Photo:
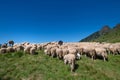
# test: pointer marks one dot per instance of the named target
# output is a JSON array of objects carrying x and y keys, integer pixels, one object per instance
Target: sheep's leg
[
  {"x": 85, "y": 55},
  {"x": 57, "y": 55},
  {"x": 92, "y": 57},
  {"x": 52, "y": 55},
  {"x": 72, "y": 67},
  {"x": 104, "y": 58}
]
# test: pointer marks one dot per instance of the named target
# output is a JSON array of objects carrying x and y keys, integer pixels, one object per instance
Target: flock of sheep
[{"x": 69, "y": 52}]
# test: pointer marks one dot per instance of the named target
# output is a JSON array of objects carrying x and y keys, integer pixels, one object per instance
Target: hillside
[
  {"x": 106, "y": 34},
  {"x": 91, "y": 37},
  {"x": 20, "y": 66}
]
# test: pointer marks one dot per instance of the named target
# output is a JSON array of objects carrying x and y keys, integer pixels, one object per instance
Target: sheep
[
  {"x": 39, "y": 47},
  {"x": 3, "y": 50},
  {"x": 101, "y": 52},
  {"x": 53, "y": 52},
  {"x": 118, "y": 50},
  {"x": 75, "y": 52},
  {"x": 32, "y": 50},
  {"x": 89, "y": 51},
  {"x": 80, "y": 50},
  {"x": 59, "y": 53},
  {"x": 70, "y": 59},
  {"x": 64, "y": 46},
  {"x": 26, "y": 44},
  {"x": 47, "y": 50},
  {"x": 113, "y": 49},
  {"x": 72, "y": 51},
  {"x": 4, "y": 45},
  {"x": 27, "y": 49},
  {"x": 10, "y": 49},
  {"x": 35, "y": 46},
  {"x": 65, "y": 51},
  {"x": 20, "y": 48}
]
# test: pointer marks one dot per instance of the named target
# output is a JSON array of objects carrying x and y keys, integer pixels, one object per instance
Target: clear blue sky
[{"x": 53, "y": 20}]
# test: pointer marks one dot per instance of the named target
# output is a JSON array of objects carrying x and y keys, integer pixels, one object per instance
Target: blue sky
[{"x": 53, "y": 20}]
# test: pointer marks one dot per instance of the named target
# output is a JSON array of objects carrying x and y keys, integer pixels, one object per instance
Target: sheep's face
[{"x": 78, "y": 56}]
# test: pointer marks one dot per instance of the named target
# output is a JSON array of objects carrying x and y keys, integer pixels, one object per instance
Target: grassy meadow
[{"x": 20, "y": 66}]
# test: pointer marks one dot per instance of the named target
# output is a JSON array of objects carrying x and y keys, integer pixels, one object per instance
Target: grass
[{"x": 20, "y": 66}]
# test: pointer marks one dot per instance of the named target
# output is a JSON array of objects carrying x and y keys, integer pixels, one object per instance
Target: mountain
[
  {"x": 106, "y": 34},
  {"x": 105, "y": 29},
  {"x": 91, "y": 37}
]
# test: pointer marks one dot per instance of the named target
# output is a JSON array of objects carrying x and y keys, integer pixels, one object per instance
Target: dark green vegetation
[
  {"x": 106, "y": 34},
  {"x": 20, "y": 66}
]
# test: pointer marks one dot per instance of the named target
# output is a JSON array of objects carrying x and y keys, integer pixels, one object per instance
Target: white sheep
[
  {"x": 70, "y": 59},
  {"x": 32, "y": 50},
  {"x": 20, "y": 48},
  {"x": 65, "y": 51},
  {"x": 53, "y": 51},
  {"x": 75, "y": 52},
  {"x": 10, "y": 49},
  {"x": 3, "y": 50},
  {"x": 101, "y": 52},
  {"x": 59, "y": 53},
  {"x": 27, "y": 49}
]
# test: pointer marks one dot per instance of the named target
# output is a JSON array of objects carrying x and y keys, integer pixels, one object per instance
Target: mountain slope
[
  {"x": 91, "y": 37},
  {"x": 97, "y": 34},
  {"x": 112, "y": 36}
]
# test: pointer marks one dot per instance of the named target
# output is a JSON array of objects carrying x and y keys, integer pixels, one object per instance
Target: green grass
[{"x": 20, "y": 66}]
